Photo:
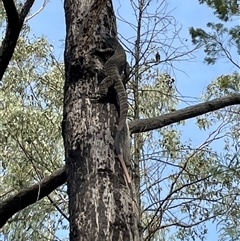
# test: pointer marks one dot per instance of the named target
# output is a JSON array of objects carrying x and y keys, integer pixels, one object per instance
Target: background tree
[
  {"x": 221, "y": 43},
  {"x": 30, "y": 99},
  {"x": 201, "y": 182}
]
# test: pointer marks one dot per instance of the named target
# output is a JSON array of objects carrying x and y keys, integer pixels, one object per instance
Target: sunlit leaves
[
  {"x": 31, "y": 95},
  {"x": 223, "y": 85},
  {"x": 155, "y": 96}
]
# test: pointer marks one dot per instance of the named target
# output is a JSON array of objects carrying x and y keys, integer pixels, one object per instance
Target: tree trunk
[{"x": 100, "y": 202}]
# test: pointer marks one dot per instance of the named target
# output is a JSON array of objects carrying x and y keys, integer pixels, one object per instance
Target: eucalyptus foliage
[
  {"x": 224, "y": 9},
  {"x": 183, "y": 187},
  {"x": 31, "y": 144},
  {"x": 222, "y": 41}
]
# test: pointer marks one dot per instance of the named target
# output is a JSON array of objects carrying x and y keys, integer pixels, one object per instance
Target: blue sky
[
  {"x": 195, "y": 75},
  {"x": 51, "y": 23}
]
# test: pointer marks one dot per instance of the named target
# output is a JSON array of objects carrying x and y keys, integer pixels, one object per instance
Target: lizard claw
[
  {"x": 102, "y": 92},
  {"x": 99, "y": 95}
]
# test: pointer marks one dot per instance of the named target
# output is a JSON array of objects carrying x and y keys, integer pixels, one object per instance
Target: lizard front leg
[{"x": 104, "y": 85}]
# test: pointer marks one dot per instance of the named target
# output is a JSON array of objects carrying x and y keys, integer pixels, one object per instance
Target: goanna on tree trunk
[{"x": 100, "y": 202}]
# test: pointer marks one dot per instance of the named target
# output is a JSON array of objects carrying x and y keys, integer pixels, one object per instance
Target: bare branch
[
  {"x": 38, "y": 11},
  {"x": 56, "y": 206},
  {"x": 143, "y": 125},
  {"x": 36, "y": 192},
  {"x": 30, "y": 195},
  {"x": 25, "y": 10}
]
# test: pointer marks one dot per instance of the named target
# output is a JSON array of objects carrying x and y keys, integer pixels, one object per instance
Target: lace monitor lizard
[{"x": 113, "y": 69}]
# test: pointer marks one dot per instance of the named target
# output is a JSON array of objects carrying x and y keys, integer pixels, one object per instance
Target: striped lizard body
[{"x": 113, "y": 69}]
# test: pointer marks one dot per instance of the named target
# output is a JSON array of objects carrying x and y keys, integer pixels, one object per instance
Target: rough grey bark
[{"x": 100, "y": 203}]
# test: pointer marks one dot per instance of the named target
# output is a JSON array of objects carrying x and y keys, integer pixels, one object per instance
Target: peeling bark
[{"x": 100, "y": 203}]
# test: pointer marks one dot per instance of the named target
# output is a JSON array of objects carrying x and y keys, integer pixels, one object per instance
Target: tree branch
[
  {"x": 25, "y": 10},
  {"x": 14, "y": 26},
  {"x": 11, "y": 11},
  {"x": 30, "y": 195},
  {"x": 38, "y": 11},
  {"x": 36, "y": 192},
  {"x": 143, "y": 125}
]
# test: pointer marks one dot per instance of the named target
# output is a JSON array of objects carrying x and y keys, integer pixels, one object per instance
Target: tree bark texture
[{"x": 100, "y": 202}]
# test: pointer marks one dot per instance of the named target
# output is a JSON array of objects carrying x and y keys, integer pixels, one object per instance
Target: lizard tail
[
  {"x": 117, "y": 141},
  {"x": 125, "y": 168},
  {"x": 118, "y": 151}
]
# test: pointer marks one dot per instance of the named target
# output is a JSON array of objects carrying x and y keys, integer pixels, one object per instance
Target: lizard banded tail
[
  {"x": 113, "y": 69},
  {"x": 123, "y": 106}
]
